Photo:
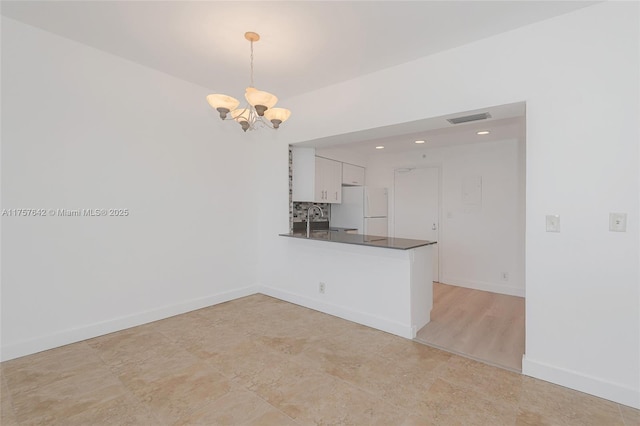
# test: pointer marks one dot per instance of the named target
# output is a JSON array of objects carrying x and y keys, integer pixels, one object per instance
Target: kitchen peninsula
[
  {"x": 381, "y": 282},
  {"x": 360, "y": 239}
]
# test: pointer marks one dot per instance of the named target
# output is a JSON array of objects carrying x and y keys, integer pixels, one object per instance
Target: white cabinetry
[
  {"x": 328, "y": 181},
  {"x": 352, "y": 175},
  {"x": 315, "y": 179}
]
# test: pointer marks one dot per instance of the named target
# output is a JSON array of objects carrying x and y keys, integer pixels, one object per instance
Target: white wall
[
  {"x": 84, "y": 129},
  {"x": 475, "y": 246},
  {"x": 387, "y": 277},
  {"x": 578, "y": 74},
  {"x": 344, "y": 155},
  {"x": 139, "y": 139}
]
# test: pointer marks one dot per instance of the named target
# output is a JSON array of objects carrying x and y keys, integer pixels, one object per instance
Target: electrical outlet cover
[
  {"x": 618, "y": 222},
  {"x": 553, "y": 223}
]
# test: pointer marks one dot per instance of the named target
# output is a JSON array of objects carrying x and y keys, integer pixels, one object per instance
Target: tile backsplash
[
  {"x": 290, "y": 189},
  {"x": 300, "y": 210}
]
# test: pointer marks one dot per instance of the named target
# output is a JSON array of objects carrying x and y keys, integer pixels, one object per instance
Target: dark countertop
[
  {"x": 338, "y": 229},
  {"x": 361, "y": 240}
]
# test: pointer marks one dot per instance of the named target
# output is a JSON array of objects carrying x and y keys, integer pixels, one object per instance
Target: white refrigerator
[{"x": 364, "y": 208}]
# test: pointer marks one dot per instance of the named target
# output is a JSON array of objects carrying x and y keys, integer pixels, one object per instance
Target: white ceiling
[
  {"x": 506, "y": 122},
  {"x": 305, "y": 45},
  {"x": 466, "y": 134}
]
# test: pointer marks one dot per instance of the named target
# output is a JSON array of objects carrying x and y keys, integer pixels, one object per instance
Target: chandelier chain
[{"x": 252, "y": 63}]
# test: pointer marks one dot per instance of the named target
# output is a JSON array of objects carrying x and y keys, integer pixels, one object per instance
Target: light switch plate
[
  {"x": 553, "y": 223},
  {"x": 618, "y": 222}
]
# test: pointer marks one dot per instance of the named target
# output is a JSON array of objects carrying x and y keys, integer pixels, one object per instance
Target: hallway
[{"x": 485, "y": 326}]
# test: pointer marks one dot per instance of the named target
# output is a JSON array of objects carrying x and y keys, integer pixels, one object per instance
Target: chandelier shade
[
  {"x": 240, "y": 113},
  {"x": 243, "y": 116},
  {"x": 260, "y": 103},
  {"x": 258, "y": 98},
  {"x": 223, "y": 104},
  {"x": 277, "y": 116}
]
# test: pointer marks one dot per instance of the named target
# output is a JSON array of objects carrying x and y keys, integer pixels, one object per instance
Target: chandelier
[{"x": 259, "y": 104}]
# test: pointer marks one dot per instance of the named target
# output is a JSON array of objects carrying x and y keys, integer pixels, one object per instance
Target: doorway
[
  {"x": 417, "y": 207},
  {"x": 477, "y": 218},
  {"x": 475, "y": 322}
]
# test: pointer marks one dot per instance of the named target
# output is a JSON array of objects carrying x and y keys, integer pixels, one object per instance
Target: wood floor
[{"x": 479, "y": 324}]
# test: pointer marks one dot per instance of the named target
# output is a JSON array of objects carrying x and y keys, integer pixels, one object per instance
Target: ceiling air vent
[{"x": 468, "y": 118}]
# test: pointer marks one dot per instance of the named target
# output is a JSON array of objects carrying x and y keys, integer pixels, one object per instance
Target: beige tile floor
[{"x": 261, "y": 361}]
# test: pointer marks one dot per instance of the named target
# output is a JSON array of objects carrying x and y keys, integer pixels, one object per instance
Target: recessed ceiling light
[
  {"x": 419, "y": 141},
  {"x": 483, "y": 132},
  {"x": 380, "y": 147}
]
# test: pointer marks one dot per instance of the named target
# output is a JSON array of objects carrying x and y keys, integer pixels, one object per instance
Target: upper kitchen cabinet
[
  {"x": 352, "y": 175},
  {"x": 315, "y": 179},
  {"x": 328, "y": 184}
]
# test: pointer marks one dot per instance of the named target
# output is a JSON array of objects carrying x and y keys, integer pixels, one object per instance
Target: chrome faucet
[{"x": 309, "y": 218}]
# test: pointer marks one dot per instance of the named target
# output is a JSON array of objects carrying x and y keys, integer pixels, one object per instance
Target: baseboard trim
[
  {"x": 581, "y": 382},
  {"x": 78, "y": 334},
  {"x": 343, "y": 312},
  {"x": 560, "y": 376},
  {"x": 484, "y": 286}
]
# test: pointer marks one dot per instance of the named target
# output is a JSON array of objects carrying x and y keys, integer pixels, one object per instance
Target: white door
[{"x": 417, "y": 207}]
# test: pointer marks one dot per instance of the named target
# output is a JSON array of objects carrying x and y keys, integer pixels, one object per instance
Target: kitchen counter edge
[{"x": 361, "y": 240}]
